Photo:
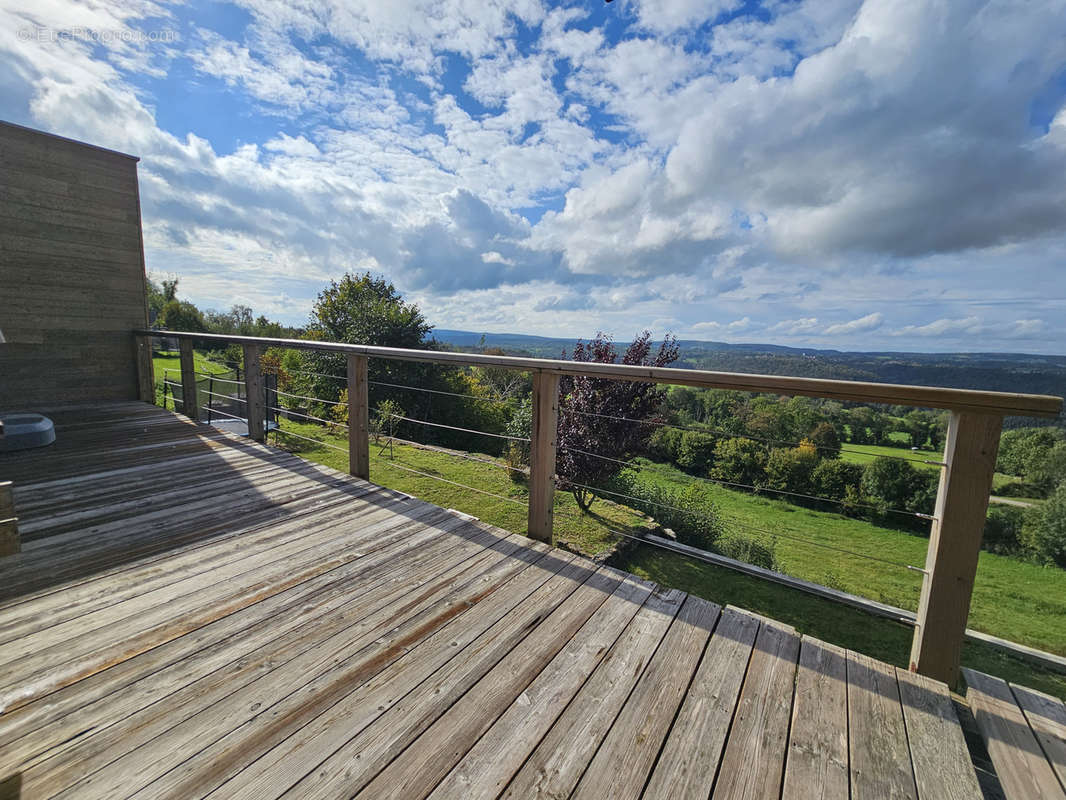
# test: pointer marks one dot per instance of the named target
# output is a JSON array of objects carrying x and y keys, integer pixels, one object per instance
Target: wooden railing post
[
  {"x": 253, "y": 392},
  {"x": 145, "y": 371},
  {"x": 955, "y": 543},
  {"x": 10, "y": 543},
  {"x": 542, "y": 455},
  {"x": 358, "y": 417},
  {"x": 189, "y": 401}
]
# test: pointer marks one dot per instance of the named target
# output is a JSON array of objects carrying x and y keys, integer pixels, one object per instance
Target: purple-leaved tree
[{"x": 590, "y": 410}]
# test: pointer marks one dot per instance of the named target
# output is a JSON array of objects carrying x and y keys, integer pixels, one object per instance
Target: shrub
[
  {"x": 521, "y": 427},
  {"x": 1047, "y": 469},
  {"x": 1018, "y": 448},
  {"x": 695, "y": 452},
  {"x": 1003, "y": 526},
  {"x": 739, "y": 461},
  {"x": 339, "y": 413},
  {"x": 1044, "y": 530},
  {"x": 1017, "y": 489},
  {"x": 749, "y": 550},
  {"x": 832, "y": 478},
  {"x": 694, "y": 519},
  {"x": 857, "y": 504},
  {"x": 687, "y": 512},
  {"x": 385, "y": 417}
]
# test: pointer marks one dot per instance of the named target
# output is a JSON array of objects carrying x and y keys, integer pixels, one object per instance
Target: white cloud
[
  {"x": 667, "y": 16},
  {"x": 735, "y": 326},
  {"x": 950, "y": 329},
  {"x": 678, "y": 173},
  {"x": 868, "y": 323},
  {"x": 794, "y": 327},
  {"x": 940, "y": 327},
  {"x": 492, "y": 257}
]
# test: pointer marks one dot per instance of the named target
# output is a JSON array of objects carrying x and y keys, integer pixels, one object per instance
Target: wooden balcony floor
[{"x": 195, "y": 615}]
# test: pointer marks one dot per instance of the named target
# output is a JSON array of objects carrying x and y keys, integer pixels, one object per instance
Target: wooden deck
[{"x": 195, "y": 615}]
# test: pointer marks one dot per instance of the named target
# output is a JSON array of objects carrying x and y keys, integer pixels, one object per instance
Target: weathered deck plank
[
  {"x": 1020, "y": 761},
  {"x": 880, "y": 761},
  {"x": 557, "y": 764},
  {"x": 621, "y": 766},
  {"x": 942, "y": 766},
  {"x": 817, "y": 765},
  {"x": 1046, "y": 715},
  {"x": 195, "y": 614},
  {"x": 754, "y": 758},
  {"x": 690, "y": 757}
]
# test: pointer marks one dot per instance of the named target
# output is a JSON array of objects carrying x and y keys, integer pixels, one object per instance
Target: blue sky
[{"x": 832, "y": 173}]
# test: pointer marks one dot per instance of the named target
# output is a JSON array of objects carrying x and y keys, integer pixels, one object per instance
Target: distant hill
[{"x": 1005, "y": 372}]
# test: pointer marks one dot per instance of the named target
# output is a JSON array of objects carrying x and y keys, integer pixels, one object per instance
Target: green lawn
[
  {"x": 169, "y": 364},
  {"x": 585, "y": 533},
  {"x": 1013, "y": 599},
  {"x": 865, "y": 453}
]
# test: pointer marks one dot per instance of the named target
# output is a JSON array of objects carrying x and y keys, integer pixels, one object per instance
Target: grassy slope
[
  {"x": 1013, "y": 599},
  {"x": 584, "y": 533}
]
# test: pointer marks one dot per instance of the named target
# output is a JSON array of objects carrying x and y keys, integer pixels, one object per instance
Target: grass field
[
  {"x": 865, "y": 453},
  {"x": 871, "y": 451},
  {"x": 1013, "y": 599},
  {"x": 585, "y": 533},
  {"x": 170, "y": 364}
]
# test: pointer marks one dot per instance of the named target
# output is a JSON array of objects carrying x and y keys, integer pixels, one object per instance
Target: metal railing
[{"x": 966, "y": 470}]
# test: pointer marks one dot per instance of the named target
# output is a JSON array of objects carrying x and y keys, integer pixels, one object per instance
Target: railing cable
[
  {"x": 397, "y": 465},
  {"x": 311, "y": 399},
  {"x": 743, "y": 524},
  {"x": 721, "y": 434},
  {"x": 456, "y": 428},
  {"x": 653, "y": 467},
  {"x": 440, "y": 391}
]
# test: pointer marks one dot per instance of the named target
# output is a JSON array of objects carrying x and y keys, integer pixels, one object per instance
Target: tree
[
  {"x": 170, "y": 290},
  {"x": 367, "y": 310},
  {"x": 920, "y": 426},
  {"x": 1044, "y": 530},
  {"x": 832, "y": 477},
  {"x": 156, "y": 301},
  {"x": 791, "y": 469},
  {"x": 695, "y": 451},
  {"x": 664, "y": 444},
  {"x": 179, "y": 315},
  {"x": 363, "y": 310},
  {"x": 1036, "y": 454},
  {"x": 590, "y": 408},
  {"x": 500, "y": 382},
  {"x": 826, "y": 439},
  {"x": 1018, "y": 447},
  {"x": 899, "y": 485},
  {"x": 739, "y": 461}
]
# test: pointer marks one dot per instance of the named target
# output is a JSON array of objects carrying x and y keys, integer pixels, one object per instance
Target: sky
[{"x": 830, "y": 173}]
